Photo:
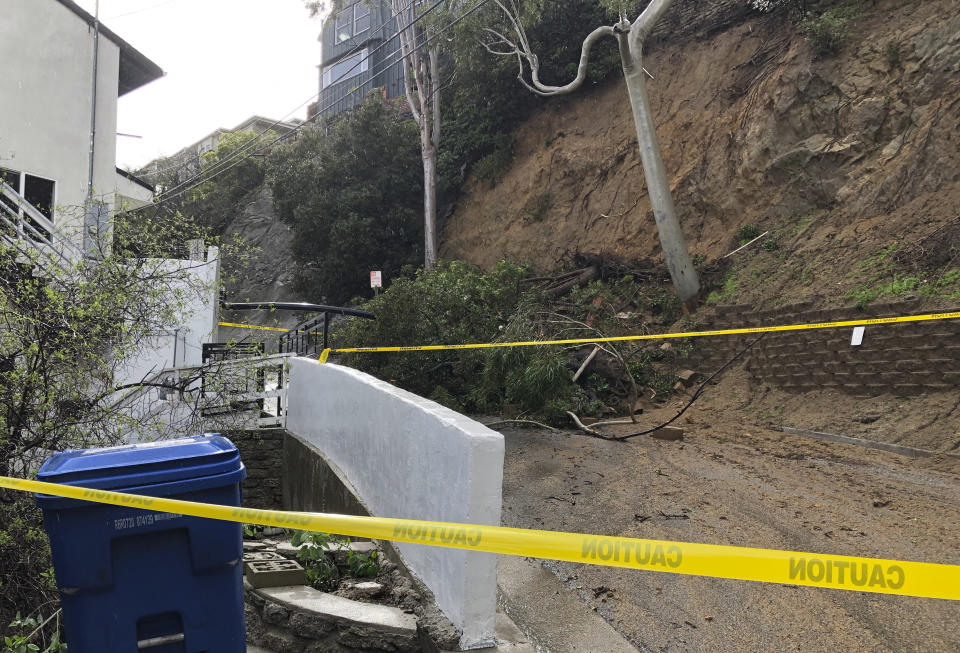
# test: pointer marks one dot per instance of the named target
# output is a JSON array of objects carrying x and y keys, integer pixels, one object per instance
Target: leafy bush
[
  {"x": 454, "y": 303},
  {"x": 314, "y": 554},
  {"x": 26, "y": 577},
  {"x": 32, "y": 629},
  {"x": 746, "y": 233},
  {"x": 317, "y": 563},
  {"x": 353, "y": 197},
  {"x": 828, "y": 31}
]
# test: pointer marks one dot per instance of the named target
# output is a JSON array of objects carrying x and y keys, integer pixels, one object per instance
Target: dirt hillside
[{"x": 839, "y": 156}]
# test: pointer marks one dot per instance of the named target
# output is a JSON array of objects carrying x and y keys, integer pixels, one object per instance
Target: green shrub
[
  {"x": 492, "y": 167},
  {"x": 313, "y": 554},
  {"x": 892, "y": 52},
  {"x": 353, "y": 197},
  {"x": 828, "y": 31},
  {"x": 454, "y": 303},
  {"x": 746, "y": 233},
  {"x": 26, "y": 575}
]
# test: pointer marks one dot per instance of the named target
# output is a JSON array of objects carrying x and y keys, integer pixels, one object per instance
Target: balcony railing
[{"x": 24, "y": 227}]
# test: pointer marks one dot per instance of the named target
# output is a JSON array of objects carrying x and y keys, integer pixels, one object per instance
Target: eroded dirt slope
[{"x": 842, "y": 156}]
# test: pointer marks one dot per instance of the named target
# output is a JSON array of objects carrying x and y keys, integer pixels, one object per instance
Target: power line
[
  {"x": 167, "y": 196},
  {"x": 256, "y": 139}
]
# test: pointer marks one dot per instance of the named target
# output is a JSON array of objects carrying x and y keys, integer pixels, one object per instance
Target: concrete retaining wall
[
  {"x": 408, "y": 457},
  {"x": 312, "y": 485},
  {"x": 901, "y": 359}
]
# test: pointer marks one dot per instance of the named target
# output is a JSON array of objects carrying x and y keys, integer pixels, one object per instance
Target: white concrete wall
[
  {"x": 45, "y": 105},
  {"x": 409, "y": 457},
  {"x": 185, "y": 339}
]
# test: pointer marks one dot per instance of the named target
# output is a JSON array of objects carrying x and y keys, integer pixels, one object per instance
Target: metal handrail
[
  {"x": 27, "y": 208},
  {"x": 14, "y": 217}
]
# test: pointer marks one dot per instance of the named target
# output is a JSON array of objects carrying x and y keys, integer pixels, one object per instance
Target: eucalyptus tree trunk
[
  {"x": 631, "y": 37},
  {"x": 421, "y": 79},
  {"x": 675, "y": 252}
]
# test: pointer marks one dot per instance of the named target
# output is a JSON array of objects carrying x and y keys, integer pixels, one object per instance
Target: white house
[
  {"x": 58, "y": 133},
  {"x": 50, "y": 114}
]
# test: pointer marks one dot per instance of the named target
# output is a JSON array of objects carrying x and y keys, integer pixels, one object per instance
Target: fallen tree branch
[
  {"x": 565, "y": 275},
  {"x": 587, "y": 275},
  {"x": 589, "y": 359},
  {"x": 746, "y": 244},
  {"x": 611, "y": 422},
  {"x": 583, "y": 427},
  {"x": 529, "y": 422}
]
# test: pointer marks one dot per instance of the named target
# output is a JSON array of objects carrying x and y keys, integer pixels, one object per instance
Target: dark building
[{"x": 352, "y": 65}]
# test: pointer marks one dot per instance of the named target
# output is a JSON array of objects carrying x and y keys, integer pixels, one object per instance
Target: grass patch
[
  {"x": 946, "y": 286},
  {"x": 727, "y": 293}
]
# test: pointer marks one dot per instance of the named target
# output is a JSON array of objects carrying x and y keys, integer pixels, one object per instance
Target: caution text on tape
[{"x": 924, "y": 579}]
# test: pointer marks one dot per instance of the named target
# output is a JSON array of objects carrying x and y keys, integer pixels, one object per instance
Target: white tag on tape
[{"x": 857, "y": 338}]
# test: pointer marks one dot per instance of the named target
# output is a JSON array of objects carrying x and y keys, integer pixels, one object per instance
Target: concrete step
[
  {"x": 545, "y": 610},
  {"x": 284, "y": 618}
]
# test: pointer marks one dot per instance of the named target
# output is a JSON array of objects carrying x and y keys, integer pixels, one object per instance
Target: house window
[
  {"x": 36, "y": 191},
  {"x": 352, "y": 21},
  {"x": 346, "y": 68},
  {"x": 344, "y": 24},
  {"x": 361, "y": 18}
]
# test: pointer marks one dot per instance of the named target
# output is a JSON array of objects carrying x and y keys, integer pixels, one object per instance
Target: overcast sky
[{"x": 225, "y": 60}]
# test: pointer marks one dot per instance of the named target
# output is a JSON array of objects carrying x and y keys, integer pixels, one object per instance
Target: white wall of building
[
  {"x": 130, "y": 194},
  {"x": 408, "y": 457},
  {"x": 182, "y": 344},
  {"x": 45, "y": 107}
]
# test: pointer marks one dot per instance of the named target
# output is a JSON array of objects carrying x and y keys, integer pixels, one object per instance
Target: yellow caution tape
[
  {"x": 252, "y": 326},
  {"x": 659, "y": 336},
  {"x": 877, "y": 575}
]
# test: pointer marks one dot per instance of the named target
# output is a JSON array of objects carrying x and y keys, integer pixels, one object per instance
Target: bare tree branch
[{"x": 521, "y": 49}]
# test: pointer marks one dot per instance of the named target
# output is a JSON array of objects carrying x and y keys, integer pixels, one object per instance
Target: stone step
[{"x": 298, "y": 616}]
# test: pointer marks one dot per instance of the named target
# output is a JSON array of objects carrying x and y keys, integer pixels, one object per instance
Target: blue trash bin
[{"x": 140, "y": 580}]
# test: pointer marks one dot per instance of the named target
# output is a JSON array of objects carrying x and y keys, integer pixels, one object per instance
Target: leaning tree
[{"x": 630, "y": 37}]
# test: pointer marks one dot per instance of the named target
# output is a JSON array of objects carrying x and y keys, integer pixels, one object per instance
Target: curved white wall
[{"x": 409, "y": 457}]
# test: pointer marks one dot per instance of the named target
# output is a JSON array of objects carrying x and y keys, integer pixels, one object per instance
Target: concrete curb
[
  {"x": 550, "y": 614},
  {"x": 913, "y": 452}
]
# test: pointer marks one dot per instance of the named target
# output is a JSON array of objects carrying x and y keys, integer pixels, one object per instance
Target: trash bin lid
[{"x": 147, "y": 463}]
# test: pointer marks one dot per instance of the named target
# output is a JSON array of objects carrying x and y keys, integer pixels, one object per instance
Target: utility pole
[{"x": 91, "y": 220}]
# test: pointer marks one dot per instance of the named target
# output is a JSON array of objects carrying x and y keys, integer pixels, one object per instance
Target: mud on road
[{"x": 727, "y": 483}]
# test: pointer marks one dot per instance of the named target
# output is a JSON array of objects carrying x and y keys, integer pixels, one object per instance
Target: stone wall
[
  {"x": 262, "y": 453},
  {"x": 900, "y": 359}
]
